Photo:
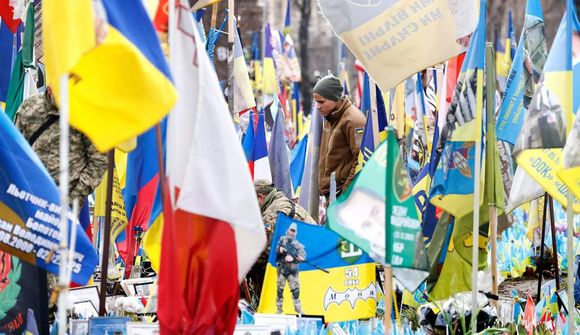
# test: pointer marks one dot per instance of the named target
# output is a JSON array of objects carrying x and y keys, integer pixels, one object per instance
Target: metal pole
[
  {"x": 540, "y": 262},
  {"x": 571, "y": 263},
  {"x": 554, "y": 245},
  {"x": 314, "y": 196},
  {"x": 106, "y": 233},
  {"x": 231, "y": 32},
  {"x": 64, "y": 201}
]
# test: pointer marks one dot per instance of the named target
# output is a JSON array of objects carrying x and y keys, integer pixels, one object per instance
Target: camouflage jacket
[
  {"x": 276, "y": 202},
  {"x": 86, "y": 164},
  {"x": 293, "y": 248}
]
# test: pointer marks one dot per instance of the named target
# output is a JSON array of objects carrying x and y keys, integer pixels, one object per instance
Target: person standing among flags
[
  {"x": 37, "y": 119},
  {"x": 341, "y": 135}
]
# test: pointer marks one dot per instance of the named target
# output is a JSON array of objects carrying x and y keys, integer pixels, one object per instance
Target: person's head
[
  {"x": 328, "y": 94},
  {"x": 292, "y": 231},
  {"x": 263, "y": 188}
]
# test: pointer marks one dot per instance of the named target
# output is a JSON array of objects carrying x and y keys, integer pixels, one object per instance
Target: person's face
[
  {"x": 324, "y": 106},
  {"x": 292, "y": 233},
  {"x": 261, "y": 198}
]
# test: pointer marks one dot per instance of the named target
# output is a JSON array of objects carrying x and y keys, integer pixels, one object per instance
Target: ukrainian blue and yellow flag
[
  {"x": 374, "y": 133},
  {"x": 505, "y": 53},
  {"x": 337, "y": 279},
  {"x": 520, "y": 86},
  {"x": 453, "y": 182},
  {"x": 550, "y": 117},
  {"x": 117, "y": 89},
  {"x": 269, "y": 79},
  {"x": 343, "y": 73},
  {"x": 256, "y": 63},
  {"x": 297, "y": 164}
]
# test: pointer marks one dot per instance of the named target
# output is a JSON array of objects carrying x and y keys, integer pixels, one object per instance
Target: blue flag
[
  {"x": 278, "y": 155},
  {"x": 30, "y": 208}
]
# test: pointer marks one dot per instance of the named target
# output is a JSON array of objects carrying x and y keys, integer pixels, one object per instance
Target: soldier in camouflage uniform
[
  {"x": 37, "y": 119},
  {"x": 289, "y": 253},
  {"x": 86, "y": 165},
  {"x": 271, "y": 202}
]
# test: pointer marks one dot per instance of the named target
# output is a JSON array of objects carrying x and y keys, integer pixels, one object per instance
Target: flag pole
[
  {"x": 388, "y": 270},
  {"x": 491, "y": 140},
  {"x": 554, "y": 245},
  {"x": 64, "y": 187},
  {"x": 214, "y": 11},
  {"x": 571, "y": 262},
  {"x": 231, "y": 34},
  {"x": 543, "y": 236},
  {"x": 106, "y": 233},
  {"x": 475, "y": 232}
]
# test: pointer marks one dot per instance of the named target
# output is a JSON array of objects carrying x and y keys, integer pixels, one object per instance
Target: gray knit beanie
[{"x": 329, "y": 87}]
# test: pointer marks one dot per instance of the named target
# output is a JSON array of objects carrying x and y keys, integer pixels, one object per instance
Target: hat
[
  {"x": 329, "y": 87},
  {"x": 293, "y": 226},
  {"x": 263, "y": 187}
]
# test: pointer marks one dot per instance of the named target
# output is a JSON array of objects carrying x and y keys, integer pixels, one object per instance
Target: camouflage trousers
[{"x": 293, "y": 282}]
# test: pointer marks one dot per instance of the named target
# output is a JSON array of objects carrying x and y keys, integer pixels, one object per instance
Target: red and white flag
[{"x": 213, "y": 229}]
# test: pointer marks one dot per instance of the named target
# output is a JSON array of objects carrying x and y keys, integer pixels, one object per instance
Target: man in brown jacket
[{"x": 342, "y": 133}]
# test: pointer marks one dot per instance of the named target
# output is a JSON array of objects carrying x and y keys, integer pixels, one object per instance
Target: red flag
[
  {"x": 213, "y": 230},
  {"x": 161, "y": 20},
  {"x": 7, "y": 15}
]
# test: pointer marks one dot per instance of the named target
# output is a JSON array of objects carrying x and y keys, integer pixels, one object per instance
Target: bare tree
[{"x": 305, "y": 8}]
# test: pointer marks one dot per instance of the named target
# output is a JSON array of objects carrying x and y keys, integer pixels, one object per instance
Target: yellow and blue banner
[
  {"x": 103, "y": 105},
  {"x": 336, "y": 280},
  {"x": 550, "y": 117},
  {"x": 30, "y": 210},
  {"x": 394, "y": 39},
  {"x": 453, "y": 182},
  {"x": 504, "y": 53},
  {"x": 269, "y": 78},
  {"x": 525, "y": 72},
  {"x": 374, "y": 133}
]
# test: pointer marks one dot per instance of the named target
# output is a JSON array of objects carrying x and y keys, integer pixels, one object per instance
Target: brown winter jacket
[{"x": 340, "y": 145}]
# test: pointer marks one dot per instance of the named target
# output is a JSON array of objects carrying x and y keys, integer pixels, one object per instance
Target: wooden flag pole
[
  {"x": 475, "y": 231},
  {"x": 554, "y": 245},
  {"x": 491, "y": 140},
  {"x": 214, "y": 11},
  {"x": 543, "y": 236},
  {"x": 571, "y": 261},
  {"x": 388, "y": 270},
  {"x": 106, "y": 233}
]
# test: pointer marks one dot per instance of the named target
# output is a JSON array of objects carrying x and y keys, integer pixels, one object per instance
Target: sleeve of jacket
[
  {"x": 93, "y": 172},
  {"x": 301, "y": 251},
  {"x": 353, "y": 132}
]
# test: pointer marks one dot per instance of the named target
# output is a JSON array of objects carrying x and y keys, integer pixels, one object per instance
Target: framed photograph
[
  {"x": 80, "y": 327},
  {"x": 139, "y": 287},
  {"x": 85, "y": 300},
  {"x": 85, "y": 309},
  {"x": 252, "y": 330},
  {"x": 276, "y": 322},
  {"x": 141, "y": 328},
  {"x": 108, "y": 326}
]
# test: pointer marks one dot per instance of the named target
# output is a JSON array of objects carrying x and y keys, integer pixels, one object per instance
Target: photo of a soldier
[{"x": 289, "y": 254}]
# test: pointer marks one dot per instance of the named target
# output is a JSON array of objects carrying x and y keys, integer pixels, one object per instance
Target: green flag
[
  {"x": 378, "y": 214},
  {"x": 24, "y": 60}
]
